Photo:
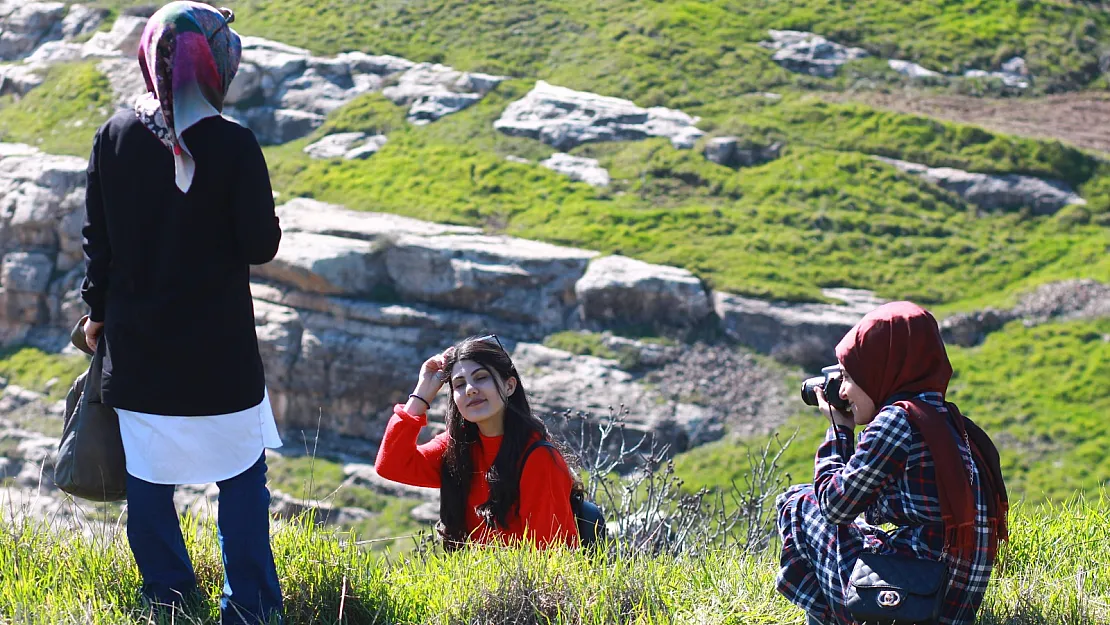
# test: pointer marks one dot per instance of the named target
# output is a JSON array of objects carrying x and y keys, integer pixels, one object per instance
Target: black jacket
[{"x": 169, "y": 272}]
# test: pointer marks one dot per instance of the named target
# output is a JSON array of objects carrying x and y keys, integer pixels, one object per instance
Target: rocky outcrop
[
  {"x": 432, "y": 91},
  {"x": 346, "y": 145},
  {"x": 808, "y": 53},
  {"x": 912, "y": 70},
  {"x": 39, "y": 34},
  {"x": 1069, "y": 299},
  {"x": 564, "y": 118},
  {"x": 996, "y": 191},
  {"x": 558, "y": 381},
  {"x": 41, "y": 211},
  {"x": 802, "y": 334},
  {"x": 623, "y": 291},
  {"x": 1012, "y": 73},
  {"x": 24, "y": 26},
  {"x": 736, "y": 152},
  {"x": 578, "y": 168}
]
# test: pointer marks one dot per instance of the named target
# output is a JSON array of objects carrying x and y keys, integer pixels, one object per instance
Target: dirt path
[{"x": 1082, "y": 119}]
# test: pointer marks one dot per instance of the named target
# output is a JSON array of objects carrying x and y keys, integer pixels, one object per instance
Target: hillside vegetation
[{"x": 1048, "y": 574}]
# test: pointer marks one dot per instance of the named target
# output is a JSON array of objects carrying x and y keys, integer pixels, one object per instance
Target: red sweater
[{"x": 545, "y": 482}]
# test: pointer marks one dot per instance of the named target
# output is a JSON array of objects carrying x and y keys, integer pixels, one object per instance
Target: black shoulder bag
[{"x": 888, "y": 589}]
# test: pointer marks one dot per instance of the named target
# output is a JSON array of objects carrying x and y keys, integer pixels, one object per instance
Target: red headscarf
[{"x": 897, "y": 349}]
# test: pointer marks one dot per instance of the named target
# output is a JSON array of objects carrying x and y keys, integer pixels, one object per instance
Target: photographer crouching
[{"x": 918, "y": 465}]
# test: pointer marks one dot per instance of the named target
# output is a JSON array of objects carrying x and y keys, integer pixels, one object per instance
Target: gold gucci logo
[{"x": 889, "y": 599}]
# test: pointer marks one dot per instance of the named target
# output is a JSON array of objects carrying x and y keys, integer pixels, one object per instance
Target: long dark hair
[{"x": 503, "y": 477}]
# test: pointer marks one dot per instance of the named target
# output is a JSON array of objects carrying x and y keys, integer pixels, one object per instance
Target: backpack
[{"x": 591, "y": 521}]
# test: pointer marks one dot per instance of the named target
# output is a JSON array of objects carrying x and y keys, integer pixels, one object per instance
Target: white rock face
[
  {"x": 996, "y": 192},
  {"x": 564, "y": 118},
  {"x": 432, "y": 91},
  {"x": 617, "y": 289},
  {"x": 578, "y": 168},
  {"x": 1014, "y": 73},
  {"x": 803, "y": 334},
  {"x": 912, "y": 70},
  {"x": 809, "y": 53},
  {"x": 26, "y": 25},
  {"x": 346, "y": 145},
  {"x": 560, "y": 381},
  {"x": 121, "y": 40},
  {"x": 39, "y": 196}
]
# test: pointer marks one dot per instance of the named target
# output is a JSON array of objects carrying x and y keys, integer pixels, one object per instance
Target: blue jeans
[{"x": 251, "y": 591}]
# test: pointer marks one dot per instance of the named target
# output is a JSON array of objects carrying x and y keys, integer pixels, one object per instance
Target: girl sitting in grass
[
  {"x": 485, "y": 494},
  {"x": 919, "y": 465}
]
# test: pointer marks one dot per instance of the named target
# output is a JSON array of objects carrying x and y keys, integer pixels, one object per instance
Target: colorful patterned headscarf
[{"x": 189, "y": 55}]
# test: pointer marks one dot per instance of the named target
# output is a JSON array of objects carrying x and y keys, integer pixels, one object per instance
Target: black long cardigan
[{"x": 169, "y": 272}]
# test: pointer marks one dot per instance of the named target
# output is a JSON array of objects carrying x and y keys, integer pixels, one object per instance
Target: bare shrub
[{"x": 632, "y": 478}]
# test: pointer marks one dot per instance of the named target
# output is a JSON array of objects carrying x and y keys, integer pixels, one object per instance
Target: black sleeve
[
  {"x": 257, "y": 232},
  {"x": 97, "y": 250}
]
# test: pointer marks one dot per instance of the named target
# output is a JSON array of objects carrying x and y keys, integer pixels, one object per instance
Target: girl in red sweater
[{"x": 485, "y": 494}]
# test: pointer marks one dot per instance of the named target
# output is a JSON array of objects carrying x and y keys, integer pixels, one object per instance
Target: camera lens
[{"x": 809, "y": 396}]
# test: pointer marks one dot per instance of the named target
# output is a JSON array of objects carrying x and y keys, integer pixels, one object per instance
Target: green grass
[
  {"x": 1042, "y": 393},
  {"x": 317, "y": 478},
  {"x": 62, "y": 115},
  {"x": 1048, "y": 574},
  {"x": 33, "y": 369},
  {"x": 688, "y": 53}
]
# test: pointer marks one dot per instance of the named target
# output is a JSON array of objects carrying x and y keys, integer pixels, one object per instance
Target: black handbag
[
  {"x": 90, "y": 461},
  {"x": 888, "y": 590}
]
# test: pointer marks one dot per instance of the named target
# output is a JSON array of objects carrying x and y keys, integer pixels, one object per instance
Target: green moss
[
  {"x": 42, "y": 372},
  {"x": 62, "y": 115},
  {"x": 581, "y": 343}
]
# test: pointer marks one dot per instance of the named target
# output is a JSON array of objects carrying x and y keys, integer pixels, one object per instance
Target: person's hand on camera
[
  {"x": 432, "y": 376},
  {"x": 93, "y": 330},
  {"x": 835, "y": 416}
]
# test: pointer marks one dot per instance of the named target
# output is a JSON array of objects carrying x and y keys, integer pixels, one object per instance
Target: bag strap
[
  {"x": 533, "y": 447},
  {"x": 91, "y": 392}
]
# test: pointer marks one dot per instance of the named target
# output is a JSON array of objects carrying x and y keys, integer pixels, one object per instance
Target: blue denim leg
[
  {"x": 154, "y": 534},
  {"x": 252, "y": 593}
]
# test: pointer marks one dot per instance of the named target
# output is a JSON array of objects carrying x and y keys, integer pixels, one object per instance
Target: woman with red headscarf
[{"x": 919, "y": 465}]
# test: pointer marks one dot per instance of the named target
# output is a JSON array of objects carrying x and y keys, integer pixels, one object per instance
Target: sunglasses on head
[{"x": 492, "y": 338}]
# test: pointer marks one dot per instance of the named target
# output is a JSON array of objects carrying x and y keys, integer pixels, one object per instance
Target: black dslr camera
[{"x": 829, "y": 381}]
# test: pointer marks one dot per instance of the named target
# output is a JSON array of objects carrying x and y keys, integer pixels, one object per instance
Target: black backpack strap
[{"x": 533, "y": 447}]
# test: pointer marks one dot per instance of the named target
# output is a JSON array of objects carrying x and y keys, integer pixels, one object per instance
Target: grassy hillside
[
  {"x": 1048, "y": 574},
  {"x": 688, "y": 53}
]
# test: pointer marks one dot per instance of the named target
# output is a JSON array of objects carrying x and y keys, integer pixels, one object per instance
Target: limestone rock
[
  {"x": 996, "y": 191},
  {"x": 912, "y": 70},
  {"x": 620, "y": 290},
  {"x": 808, "y": 53},
  {"x": 578, "y": 168},
  {"x": 564, "y": 118},
  {"x": 26, "y": 272},
  {"x": 320, "y": 263},
  {"x": 558, "y": 381},
  {"x": 346, "y": 145},
  {"x": 121, "y": 40},
  {"x": 364, "y": 476},
  {"x": 802, "y": 334},
  {"x": 26, "y": 25},
  {"x": 19, "y": 79},
  {"x": 515, "y": 279},
  {"x": 432, "y": 91},
  {"x": 82, "y": 20}
]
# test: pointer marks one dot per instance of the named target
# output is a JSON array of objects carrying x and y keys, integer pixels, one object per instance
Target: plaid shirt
[{"x": 889, "y": 477}]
